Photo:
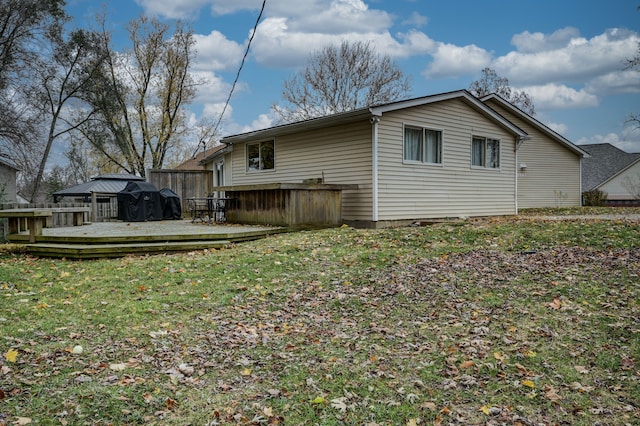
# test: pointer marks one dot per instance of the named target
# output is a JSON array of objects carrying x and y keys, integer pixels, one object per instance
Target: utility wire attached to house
[{"x": 235, "y": 82}]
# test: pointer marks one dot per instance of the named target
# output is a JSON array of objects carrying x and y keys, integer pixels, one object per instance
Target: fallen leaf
[
  {"x": 556, "y": 304},
  {"x": 319, "y": 400},
  {"x": 170, "y": 404},
  {"x": 22, "y": 421},
  {"x": 528, "y": 383},
  {"x": 11, "y": 355},
  {"x": 430, "y": 406},
  {"x": 118, "y": 367},
  {"x": 578, "y": 387},
  {"x": 339, "y": 404},
  {"x": 412, "y": 422},
  {"x": 485, "y": 409},
  {"x": 467, "y": 364},
  {"x": 580, "y": 369},
  {"x": 552, "y": 394},
  {"x": 245, "y": 372}
]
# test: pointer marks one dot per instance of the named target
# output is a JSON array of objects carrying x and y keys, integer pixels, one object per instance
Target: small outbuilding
[{"x": 105, "y": 185}]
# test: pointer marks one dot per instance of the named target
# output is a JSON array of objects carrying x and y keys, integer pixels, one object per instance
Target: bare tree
[
  {"x": 26, "y": 28},
  {"x": 632, "y": 184},
  {"x": 73, "y": 65},
  {"x": 341, "y": 78},
  {"x": 140, "y": 96},
  {"x": 492, "y": 83},
  {"x": 634, "y": 63}
]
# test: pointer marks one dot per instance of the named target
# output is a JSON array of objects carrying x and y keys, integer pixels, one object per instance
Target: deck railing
[{"x": 57, "y": 220}]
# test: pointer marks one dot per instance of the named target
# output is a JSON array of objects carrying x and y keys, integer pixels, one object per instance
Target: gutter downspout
[
  {"x": 375, "y": 119},
  {"x": 581, "y": 195},
  {"x": 519, "y": 141}
]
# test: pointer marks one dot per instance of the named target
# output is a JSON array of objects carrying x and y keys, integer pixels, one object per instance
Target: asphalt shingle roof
[{"x": 605, "y": 162}]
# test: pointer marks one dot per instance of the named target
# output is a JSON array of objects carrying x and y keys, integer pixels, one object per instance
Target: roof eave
[
  {"x": 465, "y": 95},
  {"x": 299, "y": 126},
  {"x": 553, "y": 134}
]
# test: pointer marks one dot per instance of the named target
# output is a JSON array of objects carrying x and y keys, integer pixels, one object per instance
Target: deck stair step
[
  {"x": 122, "y": 238},
  {"x": 110, "y": 250}
]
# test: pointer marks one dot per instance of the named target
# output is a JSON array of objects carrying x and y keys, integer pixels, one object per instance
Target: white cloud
[
  {"x": 212, "y": 88},
  {"x": 563, "y": 56},
  {"x": 454, "y": 61},
  {"x": 216, "y": 52},
  {"x": 263, "y": 121},
  {"x": 278, "y": 45},
  {"x": 628, "y": 142},
  {"x": 341, "y": 16},
  {"x": 557, "y": 96},
  {"x": 230, "y": 127},
  {"x": 527, "y": 42},
  {"x": 416, "y": 20},
  {"x": 612, "y": 138},
  {"x": 559, "y": 128},
  {"x": 624, "y": 81},
  {"x": 174, "y": 9},
  {"x": 215, "y": 109}
]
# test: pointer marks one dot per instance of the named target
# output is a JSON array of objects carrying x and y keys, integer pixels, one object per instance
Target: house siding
[
  {"x": 7, "y": 183},
  {"x": 454, "y": 188},
  {"x": 615, "y": 187},
  {"x": 341, "y": 154},
  {"x": 552, "y": 176}
]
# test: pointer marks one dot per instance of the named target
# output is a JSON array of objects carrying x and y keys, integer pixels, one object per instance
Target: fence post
[{"x": 94, "y": 207}]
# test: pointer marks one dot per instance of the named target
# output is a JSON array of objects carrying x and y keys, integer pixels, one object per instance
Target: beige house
[
  {"x": 614, "y": 172},
  {"x": 548, "y": 165},
  {"x": 8, "y": 189},
  {"x": 441, "y": 156}
]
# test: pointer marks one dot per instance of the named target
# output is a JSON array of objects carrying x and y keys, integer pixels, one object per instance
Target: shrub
[{"x": 596, "y": 198}]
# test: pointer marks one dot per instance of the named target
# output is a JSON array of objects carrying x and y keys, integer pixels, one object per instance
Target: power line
[{"x": 244, "y": 58}]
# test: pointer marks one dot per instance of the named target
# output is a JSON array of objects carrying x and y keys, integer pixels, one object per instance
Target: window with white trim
[
  {"x": 485, "y": 152},
  {"x": 422, "y": 145},
  {"x": 260, "y": 156}
]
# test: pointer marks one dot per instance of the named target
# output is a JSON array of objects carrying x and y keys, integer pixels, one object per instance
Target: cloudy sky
[{"x": 568, "y": 55}]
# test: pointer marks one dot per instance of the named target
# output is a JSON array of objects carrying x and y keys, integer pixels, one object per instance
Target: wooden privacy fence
[
  {"x": 104, "y": 207},
  {"x": 185, "y": 183}
]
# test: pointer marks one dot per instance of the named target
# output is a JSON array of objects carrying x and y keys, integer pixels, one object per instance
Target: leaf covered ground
[{"x": 515, "y": 321}]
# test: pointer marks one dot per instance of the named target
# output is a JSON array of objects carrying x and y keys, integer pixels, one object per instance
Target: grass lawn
[{"x": 516, "y": 321}]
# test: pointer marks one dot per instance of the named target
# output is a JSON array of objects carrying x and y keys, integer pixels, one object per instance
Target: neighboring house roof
[
  {"x": 108, "y": 183},
  {"x": 526, "y": 117},
  {"x": 375, "y": 111},
  {"x": 606, "y": 162},
  {"x": 199, "y": 159},
  {"x": 6, "y": 163}
]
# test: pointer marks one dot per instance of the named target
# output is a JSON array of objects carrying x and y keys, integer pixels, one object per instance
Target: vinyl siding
[
  {"x": 7, "y": 184},
  {"x": 454, "y": 188},
  {"x": 615, "y": 188},
  {"x": 341, "y": 154},
  {"x": 552, "y": 176}
]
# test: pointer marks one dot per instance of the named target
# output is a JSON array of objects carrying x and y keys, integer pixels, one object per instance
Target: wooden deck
[{"x": 117, "y": 239}]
